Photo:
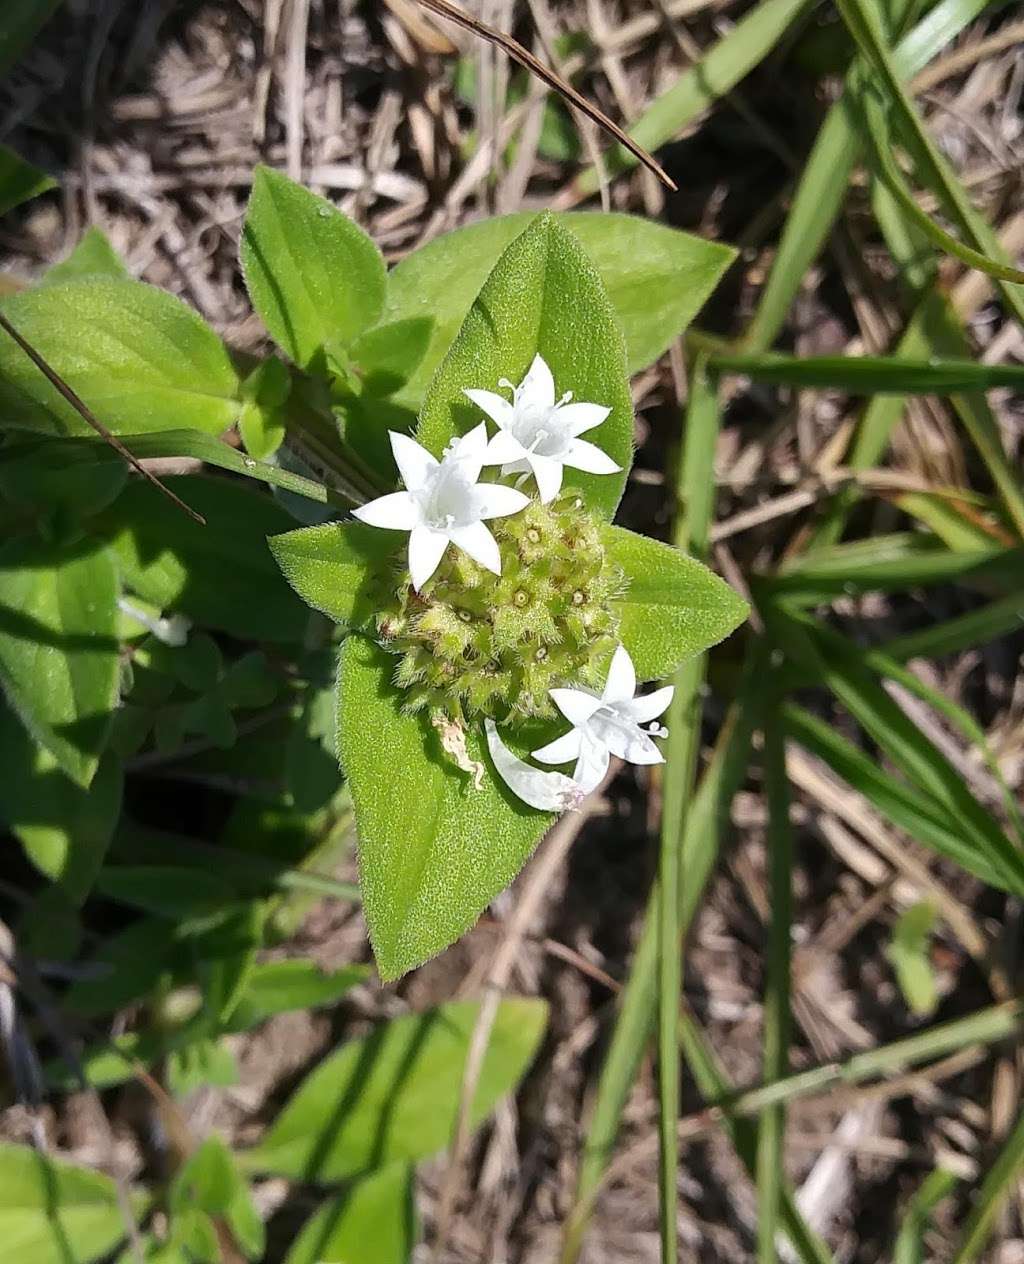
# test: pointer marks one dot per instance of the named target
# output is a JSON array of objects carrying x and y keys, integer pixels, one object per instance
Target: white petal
[
  {"x": 537, "y": 389},
  {"x": 414, "y": 462},
  {"x": 626, "y": 740},
  {"x": 547, "y": 791},
  {"x": 426, "y": 548},
  {"x": 503, "y": 447},
  {"x": 590, "y": 458},
  {"x": 469, "y": 451},
  {"x": 578, "y": 418},
  {"x": 478, "y": 542},
  {"x": 397, "y": 511},
  {"x": 575, "y": 704},
  {"x": 495, "y": 406},
  {"x": 491, "y": 500},
  {"x": 562, "y": 750},
  {"x": 591, "y": 766},
  {"x": 621, "y": 683},
  {"x": 548, "y": 473},
  {"x": 649, "y": 707}
]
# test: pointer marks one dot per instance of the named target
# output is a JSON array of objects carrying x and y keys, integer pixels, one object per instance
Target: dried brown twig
[{"x": 515, "y": 50}]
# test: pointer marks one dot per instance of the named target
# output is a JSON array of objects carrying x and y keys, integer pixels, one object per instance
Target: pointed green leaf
[
  {"x": 657, "y": 280},
  {"x": 332, "y": 567},
  {"x": 909, "y": 954},
  {"x": 433, "y": 850},
  {"x": 93, "y": 256},
  {"x": 19, "y": 180},
  {"x": 58, "y": 649},
  {"x": 673, "y": 608},
  {"x": 207, "y": 573},
  {"x": 140, "y": 358},
  {"x": 395, "y": 1094},
  {"x": 372, "y": 1222},
  {"x": 313, "y": 275},
  {"x": 64, "y": 829},
  {"x": 55, "y": 1213},
  {"x": 544, "y": 297}
]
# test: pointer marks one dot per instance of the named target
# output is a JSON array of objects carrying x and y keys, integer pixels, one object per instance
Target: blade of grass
[
  {"x": 984, "y": 1027},
  {"x": 771, "y": 1135},
  {"x": 995, "y": 1189},
  {"x": 718, "y": 71},
  {"x": 977, "y": 627},
  {"x": 826, "y": 176},
  {"x": 890, "y": 563},
  {"x": 909, "y": 1245},
  {"x": 861, "y": 20},
  {"x": 839, "y": 666},
  {"x": 870, "y": 375},
  {"x": 695, "y": 483},
  {"x": 714, "y": 1085},
  {"x": 907, "y": 807}
]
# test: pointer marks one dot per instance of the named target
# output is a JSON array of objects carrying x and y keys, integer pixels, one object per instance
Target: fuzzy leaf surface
[{"x": 544, "y": 296}]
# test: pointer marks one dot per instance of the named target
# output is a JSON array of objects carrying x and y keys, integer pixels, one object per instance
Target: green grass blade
[
  {"x": 771, "y": 1135},
  {"x": 871, "y": 375},
  {"x": 984, "y": 1027},
  {"x": 995, "y": 1189},
  {"x": 826, "y": 176},
  {"x": 696, "y": 481},
  {"x": 909, "y": 1245},
  {"x": 933, "y": 170},
  {"x": 906, "y": 806},
  {"x": 715, "y": 1087},
  {"x": 840, "y": 666},
  {"x": 718, "y": 71},
  {"x": 977, "y": 627},
  {"x": 890, "y": 563}
]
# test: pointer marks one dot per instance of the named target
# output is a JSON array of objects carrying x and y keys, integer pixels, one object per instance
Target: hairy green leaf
[
  {"x": 93, "y": 256},
  {"x": 673, "y": 607},
  {"x": 545, "y": 297},
  {"x": 138, "y": 357},
  {"x": 58, "y": 649},
  {"x": 656, "y": 277},
  {"x": 332, "y": 567},
  {"x": 395, "y": 1094},
  {"x": 313, "y": 275}
]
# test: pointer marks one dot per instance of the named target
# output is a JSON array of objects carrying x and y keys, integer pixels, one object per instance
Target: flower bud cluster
[{"x": 475, "y": 643}]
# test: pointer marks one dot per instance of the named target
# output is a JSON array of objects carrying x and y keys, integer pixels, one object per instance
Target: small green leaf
[
  {"x": 208, "y": 573},
  {"x": 673, "y": 608},
  {"x": 211, "y": 1182},
  {"x": 201, "y": 1064},
  {"x": 261, "y": 423},
  {"x": 279, "y": 986},
  {"x": 313, "y": 275},
  {"x": 58, "y": 651},
  {"x": 909, "y": 954},
  {"x": 386, "y": 357},
  {"x": 167, "y": 890},
  {"x": 93, "y": 256},
  {"x": 53, "y": 1212},
  {"x": 64, "y": 829},
  {"x": 140, "y": 358},
  {"x": 372, "y": 1222},
  {"x": 332, "y": 567},
  {"x": 19, "y": 180},
  {"x": 62, "y": 484},
  {"x": 395, "y": 1094},
  {"x": 544, "y": 297},
  {"x": 657, "y": 280},
  {"x": 426, "y": 873}
]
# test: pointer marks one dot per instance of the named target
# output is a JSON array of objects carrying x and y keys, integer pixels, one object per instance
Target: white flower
[
  {"x": 443, "y": 503},
  {"x": 548, "y": 791},
  {"x": 539, "y": 435},
  {"x": 607, "y": 725}
]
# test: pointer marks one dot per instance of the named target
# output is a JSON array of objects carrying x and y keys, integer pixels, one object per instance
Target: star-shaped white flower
[
  {"x": 607, "y": 725},
  {"x": 539, "y": 434},
  {"x": 443, "y": 503}
]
